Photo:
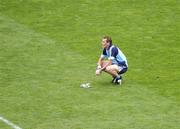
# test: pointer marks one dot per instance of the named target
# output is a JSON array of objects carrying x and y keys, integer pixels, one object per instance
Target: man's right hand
[{"x": 98, "y": 70}]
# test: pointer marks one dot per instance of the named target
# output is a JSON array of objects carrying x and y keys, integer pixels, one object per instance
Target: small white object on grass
[{"x": 85, "y": 85}]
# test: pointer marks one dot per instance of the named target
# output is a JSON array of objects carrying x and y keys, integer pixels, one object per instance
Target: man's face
[{"x": 104, "y": 43}]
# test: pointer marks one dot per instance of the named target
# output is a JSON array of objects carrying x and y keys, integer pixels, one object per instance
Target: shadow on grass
[{"x": 107, "y": 84}]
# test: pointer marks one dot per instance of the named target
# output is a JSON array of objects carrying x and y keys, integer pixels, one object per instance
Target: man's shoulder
[{"x": 114, "y": 48}]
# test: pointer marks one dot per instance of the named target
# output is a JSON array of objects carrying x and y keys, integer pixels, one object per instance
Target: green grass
[{"x": 49, "y": 47}]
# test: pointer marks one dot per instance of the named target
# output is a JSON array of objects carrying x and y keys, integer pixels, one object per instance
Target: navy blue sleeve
[
  {"x": 104, "y": 52},
  {"x": 114, "y": 52}
]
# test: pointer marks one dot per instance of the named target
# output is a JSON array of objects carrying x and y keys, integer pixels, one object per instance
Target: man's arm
[
  {"x": 103, "y": 55},
  {"x": 102, "y": 65},
  {"x": 114, "y": 53},
  {"x": 109, "y": 62},
  {"x": 99, "y": 63}
]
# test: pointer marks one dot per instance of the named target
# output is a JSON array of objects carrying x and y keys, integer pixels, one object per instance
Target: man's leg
[
  {"x": 111, "y": 70},
  {"x": 114, "y": 70}
]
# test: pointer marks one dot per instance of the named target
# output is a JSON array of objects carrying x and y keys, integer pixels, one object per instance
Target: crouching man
[{"x": 112, "y": 61}]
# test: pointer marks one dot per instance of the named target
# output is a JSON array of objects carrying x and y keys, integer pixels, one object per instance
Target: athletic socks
[
  {"x": 118, "y": 77},
  {"x": 118, "y": 80}
]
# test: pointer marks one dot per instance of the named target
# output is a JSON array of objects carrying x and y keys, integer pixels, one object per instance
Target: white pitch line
[{"x": 9, "y": 123}]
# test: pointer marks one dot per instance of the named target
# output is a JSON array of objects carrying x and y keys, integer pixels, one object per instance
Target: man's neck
[{"x": 109, "y": 46}]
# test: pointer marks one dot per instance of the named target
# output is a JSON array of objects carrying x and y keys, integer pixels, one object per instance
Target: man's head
[{"x": 106, "y": 42}]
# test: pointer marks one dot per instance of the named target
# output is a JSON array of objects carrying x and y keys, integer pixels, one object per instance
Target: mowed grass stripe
[
  {"x": 24, "y": 48},
  {"x": 33, "y": 68}
]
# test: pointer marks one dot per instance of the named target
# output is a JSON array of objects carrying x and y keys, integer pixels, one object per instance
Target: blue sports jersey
[{"x": 115, "y": 54}]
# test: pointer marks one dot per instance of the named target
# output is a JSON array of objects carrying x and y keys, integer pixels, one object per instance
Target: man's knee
[
  {"x": 108, "y": 68},
  {"x": 112, "y": 68}
]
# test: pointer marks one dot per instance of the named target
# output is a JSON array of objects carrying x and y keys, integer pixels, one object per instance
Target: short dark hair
[{"x": 108, "y": 38}]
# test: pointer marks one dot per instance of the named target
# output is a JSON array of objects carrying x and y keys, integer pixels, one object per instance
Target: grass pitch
[{"x": 49, "y": 47}]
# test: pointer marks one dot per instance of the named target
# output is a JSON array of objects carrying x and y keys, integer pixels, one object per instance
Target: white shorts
[{"x": 119, "y": 69}]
